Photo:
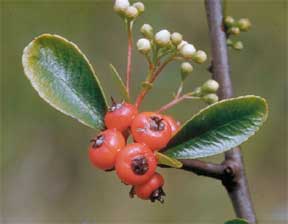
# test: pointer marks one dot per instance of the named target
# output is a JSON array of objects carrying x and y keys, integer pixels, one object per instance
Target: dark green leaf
[
  {"x": 168, "y": 161},
  {"x": 218, "y": 128},
  {"x": 119, "y": 82},
  {"x": 63, "y": 77},
  {"x": 237, "y": 221}
]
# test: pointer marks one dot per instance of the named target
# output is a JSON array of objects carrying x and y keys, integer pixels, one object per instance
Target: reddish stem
[
  {"x": 172, "y": 103},
  {"x": 129, "y": 59},
  {"x": 154, "y": 76}
]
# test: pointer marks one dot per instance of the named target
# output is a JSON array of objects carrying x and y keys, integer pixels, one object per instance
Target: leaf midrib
[{"x": 204, "y": 133}]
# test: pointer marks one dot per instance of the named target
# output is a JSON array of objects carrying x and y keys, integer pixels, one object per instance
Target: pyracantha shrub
[{"x": 64, "y": 78}]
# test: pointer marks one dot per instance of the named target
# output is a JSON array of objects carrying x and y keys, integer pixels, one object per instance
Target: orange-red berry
[
  {"x": 120, "y": 116},
  {"x": 152, "y": 189},
  {"x": 135, "y": 164},
  {"x": 104, "y": 148},
  {"x": 174, "y": 125},
  {"x": 151, "y": 129}
]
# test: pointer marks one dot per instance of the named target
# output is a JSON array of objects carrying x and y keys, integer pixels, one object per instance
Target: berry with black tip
[{"x": 104, "y": 147}]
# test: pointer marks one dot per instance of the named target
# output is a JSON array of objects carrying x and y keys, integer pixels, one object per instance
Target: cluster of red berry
[{"x": 135, "y": 163}]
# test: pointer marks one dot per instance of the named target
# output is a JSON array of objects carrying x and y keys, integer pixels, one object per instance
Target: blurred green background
[{"x": 45, "y": 173}]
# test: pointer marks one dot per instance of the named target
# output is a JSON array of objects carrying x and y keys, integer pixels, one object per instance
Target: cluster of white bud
[
  {"x": 123, "y": 8},
  {"x": 144, "y": 45},
  {"x": 208, "y": 91}
]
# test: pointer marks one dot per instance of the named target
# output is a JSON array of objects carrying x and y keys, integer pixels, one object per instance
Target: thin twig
[
  {"x": 129, "y": 58},
  {"x": 153, "y": 76}
]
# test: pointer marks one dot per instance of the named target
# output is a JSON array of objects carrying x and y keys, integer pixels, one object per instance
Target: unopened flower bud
[
  {"x": 176, "y": 38},
  {"x": 162, "y": 38},
  {"x": 210, "y": 86},
  {"x": 200, "y": 57},
  {"x": 147, "y": 31},
  {"x": 120, "y": 6},
  {"x": 187, "y": 51},
  {"x": 140, "y": 7},
  {"x": 131, "y": 12},
  {"x": 183, "y": 42},
  {"x": 229, "y": 21},
  {"x": 238, "y": 45},
  {"x": 244, "y": 24},
  {"x": 234, "y": 30},
  {"x": 197, "y": 91},
  {"x": 143, "y": 45},
  {"x": 186, "y": 69},
  {"x": 210, "y": 98}
]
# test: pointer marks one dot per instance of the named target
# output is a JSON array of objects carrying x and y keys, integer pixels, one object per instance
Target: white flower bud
[
  {"x": 229, "y": 21},
  {"x": 162, "y": 38},
  {"x": 143, "y": 45},
  {"x": 234, "y": 30},
  {"x": 200, "y": 57},
  {"x": 210, "y": 98},
  {"x": 140, "y": 7},
  {"x": 131, "y": 12},
  {"x": 187, "y": 51},
  {"x": 238, "y": 45},
  {"x": 244, "y": 24},
  {"x": 176, "y": 38},
  {"x": 210, "y": 86},
  {"x": 197, "y": 91},
  {"x": 183, "y": 42},
  {"x": 186, "y": 69},
  {"x": 147, "y": 31},
  {"x": 121, "y": 5}
]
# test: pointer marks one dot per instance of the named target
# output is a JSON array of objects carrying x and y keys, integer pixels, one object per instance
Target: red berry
[
  {"x": 104, "y": 148},
  {"x": 152, "y": 189},
  {"x": 120, "y": 116},
  {"x": 174, "y": 125},
  {"x": 135, "y": 164},
  {"x": 152, "y": 129}
]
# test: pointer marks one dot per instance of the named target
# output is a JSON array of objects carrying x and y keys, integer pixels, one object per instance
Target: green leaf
[
  {"x": 218, "y": 128},
  {"x": 118, "y": 80},
  {"x": 237, "y": 221},
  {"x": 64, "y": 78},
  {"x": 168, "y": 161}
]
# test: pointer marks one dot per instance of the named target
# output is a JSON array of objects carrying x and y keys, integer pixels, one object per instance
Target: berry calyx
[
  {"x": 135, "y": 164},
  {"x": 151, "y": 129},
  {"x": 120, "y": 116},
  {"x": 151, "y": 190},
  {"x": 104, "y": 148},
  {"x": 174, "y": 125}
]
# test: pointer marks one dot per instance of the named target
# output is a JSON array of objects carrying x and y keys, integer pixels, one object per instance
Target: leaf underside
[
  {"x": 168, "y": 161},
  {"x": 218, "y": 128},
  {"x": 63, "y": 77}
]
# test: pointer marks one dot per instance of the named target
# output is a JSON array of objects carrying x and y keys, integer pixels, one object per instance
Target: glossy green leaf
[
  {"x": 218, "y": 128},
  {"x": 168, "y": 161},
  {"x": 237, "y": 221},
  {"x": 63, "y": 77},
  {"x": 119, "y": 82}
]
